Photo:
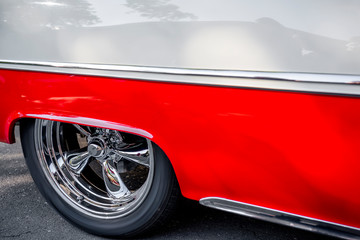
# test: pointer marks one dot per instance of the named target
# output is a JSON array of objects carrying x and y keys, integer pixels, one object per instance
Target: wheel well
[
  {"x": 17, "y": 123},
  {"x": 12, "y": 129},
  {"x": 24, "y": 121}
]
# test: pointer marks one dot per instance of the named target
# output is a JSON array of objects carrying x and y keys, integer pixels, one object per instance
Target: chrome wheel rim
[{"x": 100, "y": 172}]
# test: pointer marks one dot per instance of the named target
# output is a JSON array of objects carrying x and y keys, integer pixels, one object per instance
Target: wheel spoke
[
  {"x": 77, "y": 161},
  {"x": 82, "y": 130},
  {"x": 115, "y": 187},
  {"x": 141, "y": 156}
]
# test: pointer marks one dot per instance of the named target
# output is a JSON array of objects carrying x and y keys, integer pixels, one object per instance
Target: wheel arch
[{"x": 89, "y": 122}]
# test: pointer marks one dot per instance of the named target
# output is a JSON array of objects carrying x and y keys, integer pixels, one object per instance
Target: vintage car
[{"x": 250, "y": 107}]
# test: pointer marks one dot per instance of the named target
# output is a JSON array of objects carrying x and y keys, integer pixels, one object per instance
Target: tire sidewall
[{"x": 138, "y": 221}]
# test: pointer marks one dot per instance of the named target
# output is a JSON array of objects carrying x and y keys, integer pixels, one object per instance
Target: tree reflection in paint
[
  {"x": 158, "y": 9},
  {"x": 54, "y": 14}
]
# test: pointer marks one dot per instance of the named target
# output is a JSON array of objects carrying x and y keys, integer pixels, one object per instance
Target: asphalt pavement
[{"x": 24, "y": 214}]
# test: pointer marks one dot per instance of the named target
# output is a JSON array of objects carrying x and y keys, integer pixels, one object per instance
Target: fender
[{"x": 309, "y": 141}]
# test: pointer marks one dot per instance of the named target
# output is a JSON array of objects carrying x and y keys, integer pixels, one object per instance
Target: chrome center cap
[{"x": 96, "y": 148}]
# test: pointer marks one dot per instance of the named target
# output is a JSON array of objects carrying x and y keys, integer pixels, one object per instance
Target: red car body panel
[{"x": 293, "y": 152}]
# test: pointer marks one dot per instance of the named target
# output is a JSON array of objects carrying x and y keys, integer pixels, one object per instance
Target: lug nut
[{"x": 80, "y": 199}]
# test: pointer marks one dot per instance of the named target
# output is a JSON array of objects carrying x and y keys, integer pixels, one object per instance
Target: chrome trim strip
[
  {"x": 93, "y": 122},
  {"x": 284, "y": 218},
  {"x": 302, "y": 77},
  {"x": 300, "y": 82}
]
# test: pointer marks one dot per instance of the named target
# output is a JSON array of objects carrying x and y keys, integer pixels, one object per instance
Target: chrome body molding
[
  {"x": 342, "y": 84},
  {"x": 280, "y": 217},
  {"x": 92, "y": 122}
]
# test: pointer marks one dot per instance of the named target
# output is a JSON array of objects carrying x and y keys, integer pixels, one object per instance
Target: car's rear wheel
[{"x": 105, "y": 181}]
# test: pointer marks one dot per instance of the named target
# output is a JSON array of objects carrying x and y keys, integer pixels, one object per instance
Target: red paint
[{"x": 293, "y": 152}]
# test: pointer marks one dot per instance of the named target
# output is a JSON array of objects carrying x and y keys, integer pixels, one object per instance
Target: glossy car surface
[{"x": 256, "y": 109}]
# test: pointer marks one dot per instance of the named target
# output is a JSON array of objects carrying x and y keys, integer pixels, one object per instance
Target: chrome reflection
[
  {"x": 284, "y": 218},
  {"x": 344, "y": 84},
  {"x": 81, "y": 165}
]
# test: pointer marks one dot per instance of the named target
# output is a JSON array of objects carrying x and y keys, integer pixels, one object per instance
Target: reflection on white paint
[
  {"x": 305, "y": 52},
  {"x": 50, "y": 4},
  {"x": 330, "y": 18},
  {"x": 91, "y": 48},
  {"x": 231, "y": 47},
  {"x": 352, "y": 46},
  {"x": 256, "y": 35},
  {"x": 52, "y": 27}
]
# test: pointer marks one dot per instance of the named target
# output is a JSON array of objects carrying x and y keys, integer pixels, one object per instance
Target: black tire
[{"x": 159, "y": 202}]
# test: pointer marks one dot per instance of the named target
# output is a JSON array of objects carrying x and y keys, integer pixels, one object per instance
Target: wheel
[{"x": 107, "y": 182}]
